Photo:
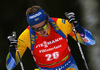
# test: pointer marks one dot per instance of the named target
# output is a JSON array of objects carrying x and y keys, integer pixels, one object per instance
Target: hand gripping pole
[{"x": 83, "y": 57}]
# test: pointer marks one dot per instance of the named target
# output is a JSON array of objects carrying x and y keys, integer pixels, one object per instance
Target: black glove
[
  {"x": 71, "y": 18},
  {"x": 12, "y": 43},
  {"x": 12, "y": 40}
]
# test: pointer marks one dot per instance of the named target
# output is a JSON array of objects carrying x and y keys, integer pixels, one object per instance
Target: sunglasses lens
[
  {"x": 45, "y": 27},
  {"x": 42, "y": 28}
]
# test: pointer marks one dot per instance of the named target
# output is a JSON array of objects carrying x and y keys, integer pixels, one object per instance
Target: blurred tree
[{"x": 91, "y": 20}]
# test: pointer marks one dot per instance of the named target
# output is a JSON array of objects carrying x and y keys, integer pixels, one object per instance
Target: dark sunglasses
[{"x": 41, "y": 28}]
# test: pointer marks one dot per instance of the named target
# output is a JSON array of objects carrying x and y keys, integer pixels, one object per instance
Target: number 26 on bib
[{"x": 52, "y": 56}]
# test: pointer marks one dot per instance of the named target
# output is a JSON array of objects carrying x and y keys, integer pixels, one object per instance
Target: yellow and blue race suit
[{"x": 52, "y": 52}]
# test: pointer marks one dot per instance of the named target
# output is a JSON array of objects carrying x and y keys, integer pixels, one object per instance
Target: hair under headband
[{"x": 36, "y": 17}]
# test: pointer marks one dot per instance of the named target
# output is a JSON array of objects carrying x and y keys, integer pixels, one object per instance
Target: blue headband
[{"x": 36, "y": 17}]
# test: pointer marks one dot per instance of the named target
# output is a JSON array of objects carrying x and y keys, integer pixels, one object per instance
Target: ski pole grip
[{"x": 14, "y": 34}]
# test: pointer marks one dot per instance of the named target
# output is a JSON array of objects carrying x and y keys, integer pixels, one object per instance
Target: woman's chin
[{"x": 45, "y": 35}]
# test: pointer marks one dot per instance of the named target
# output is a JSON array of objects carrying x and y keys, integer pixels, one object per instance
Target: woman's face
[{"x": 41, "y": 28}]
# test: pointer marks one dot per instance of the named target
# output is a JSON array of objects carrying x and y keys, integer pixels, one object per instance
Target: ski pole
[
  {"x": 21, "y": 64},
  {"x": 13, "y": 38},
  {"x": 83, "y": 57}
]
